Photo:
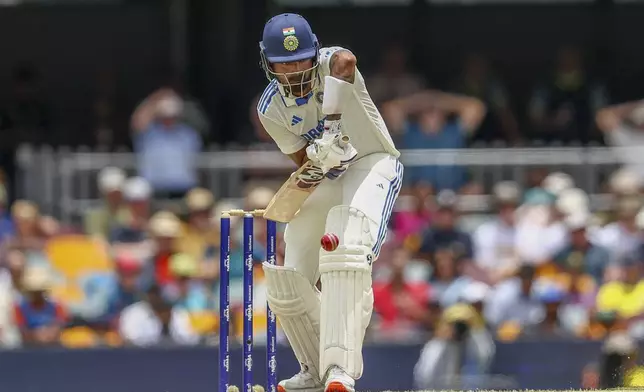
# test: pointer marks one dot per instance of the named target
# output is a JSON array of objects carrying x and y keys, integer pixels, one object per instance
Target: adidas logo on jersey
[{"x": 296, "y": 120}]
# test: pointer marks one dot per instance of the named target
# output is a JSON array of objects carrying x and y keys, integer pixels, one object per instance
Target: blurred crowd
[{"x": 144, "y": 269}]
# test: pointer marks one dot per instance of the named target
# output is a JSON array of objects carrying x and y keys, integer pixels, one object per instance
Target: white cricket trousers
[{"x": 371, "y": 185}]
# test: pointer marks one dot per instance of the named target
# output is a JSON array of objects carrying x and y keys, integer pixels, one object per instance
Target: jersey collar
[{"x": 297, "y": 101}]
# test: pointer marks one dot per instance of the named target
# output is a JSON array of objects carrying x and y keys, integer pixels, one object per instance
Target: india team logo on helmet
[{"x": 291, "y": 43}]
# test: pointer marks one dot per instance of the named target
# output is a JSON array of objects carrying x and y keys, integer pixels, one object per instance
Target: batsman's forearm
[{"x": 343, "y": 67}]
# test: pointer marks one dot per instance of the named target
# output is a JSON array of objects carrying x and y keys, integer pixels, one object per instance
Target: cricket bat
[{"x": 294, "y": 192}]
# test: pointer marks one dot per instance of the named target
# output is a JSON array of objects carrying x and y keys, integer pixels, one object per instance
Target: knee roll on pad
[
  {"x": 351, "y": 225},
  {"x": 347, "y": 296},
  {"x": 297, "y": 306}
]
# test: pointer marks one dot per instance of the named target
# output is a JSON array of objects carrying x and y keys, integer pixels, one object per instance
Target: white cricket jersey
[{"x": 293, "y": 124}]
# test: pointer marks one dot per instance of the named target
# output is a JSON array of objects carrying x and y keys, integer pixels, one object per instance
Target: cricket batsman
[{"x": 317, "y": 109}]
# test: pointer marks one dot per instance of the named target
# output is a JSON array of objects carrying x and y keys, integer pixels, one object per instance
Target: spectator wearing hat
[
  {"x": 622, "y": 236},
  {"x": 557, "y": 182},
  {"x": 39, "y": 317},
  {"x": 401, "y": 304},
  {"x": 495, "y": 241},
  {"x": 540, "y": 234},
  {"x": 165, "y": 228},
  {"x": 553, "y": 299},
  {"x": 137, "y": 193},
  {"x": 443, "y": 232},
  {"x": 624, "y": 296},
  {"x": 622, "y": 184},
  {"x": 459, "y": 354},
  {"x": 186, "y": 291},
  {"x": 167, "y": 149},
  {"x": 198, "y": 234},
  {"x": 106, "y": 295},
  {"x": 155, "y": 321},
  {"x": 100, "y": 221}
]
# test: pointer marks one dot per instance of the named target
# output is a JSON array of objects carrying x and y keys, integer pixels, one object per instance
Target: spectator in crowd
[
  {"x": 514, "y": 301},
  {"x": 10, "y": 293},
  {"x": 7, "y": 228},
  {"x": 553, "y": 299},
  {"x": 622, "y": 126},
  {"x": 432, "y": 127},
  {"x": 626, "y": 295},
  {"x": 460, "y": 353},
  {"x": 580, "y": 253},
  {"x": 477, "y": 80},
  {"x": 137, "y": 194},
  {"x": 193, "y": 114},
  {"x": 99, "y": 222},
  {"x": 540, "y": 234},
  {"x": 495, "y": 252},
  {"x": 29, "y": 236},
  {"x": 563, "y": 105},
  {"x": 186, "y": 291},
  {"x": 167, "y": 149},
  {"x": 106, "y": 295},
  {"x": 393, "y": 78},
  {"x": 165, "y": 228},
  {"x": 39, "y": 317},
  {"x": 622, "y": 236},
  {"x": 155, "y": 321},
  {"x": 402, "y": 306},
  {"x": 198, "y": 234},
  {"x": 443, "y": 232},
  {"x": 447, "y": 283},
  {"x": 412, "y": 215}
]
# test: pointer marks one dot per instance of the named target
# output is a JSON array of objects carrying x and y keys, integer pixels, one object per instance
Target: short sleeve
[
  {"x": 325, "y": 58},
  {"x": 287, "y": 141}
]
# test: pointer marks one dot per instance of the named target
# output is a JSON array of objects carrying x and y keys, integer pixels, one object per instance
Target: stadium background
[{"x": 75, "y": 72}]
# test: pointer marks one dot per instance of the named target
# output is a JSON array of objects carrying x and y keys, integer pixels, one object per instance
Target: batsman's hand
[{"x": 331, "y": 151}]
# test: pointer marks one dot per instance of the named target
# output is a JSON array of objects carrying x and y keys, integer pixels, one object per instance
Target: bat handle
[{"x": 343, "y": 141}]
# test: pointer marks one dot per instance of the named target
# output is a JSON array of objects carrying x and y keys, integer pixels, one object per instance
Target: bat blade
[{"x": 293, "y": 193}]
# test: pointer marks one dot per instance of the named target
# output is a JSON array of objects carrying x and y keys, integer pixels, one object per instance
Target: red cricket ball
[{"x": 329, "y": 242}]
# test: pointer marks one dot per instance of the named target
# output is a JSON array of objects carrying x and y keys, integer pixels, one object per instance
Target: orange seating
[
  {"x": 73, "y": 255},
  {"x": 204, "y": 323},
  {"x": 78, "y": 337}
]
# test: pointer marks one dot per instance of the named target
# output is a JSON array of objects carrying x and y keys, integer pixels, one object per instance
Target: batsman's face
[{"x": 297, "y": 77}]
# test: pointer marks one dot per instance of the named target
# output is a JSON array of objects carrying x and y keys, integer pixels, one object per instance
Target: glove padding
[{"x": 332, "y": 151}]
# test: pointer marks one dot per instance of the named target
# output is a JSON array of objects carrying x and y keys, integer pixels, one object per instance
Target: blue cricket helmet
[{"x": 287, "y": 38}]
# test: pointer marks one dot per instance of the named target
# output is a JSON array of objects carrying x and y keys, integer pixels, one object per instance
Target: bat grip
[{"x": 343, "y": 141}]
